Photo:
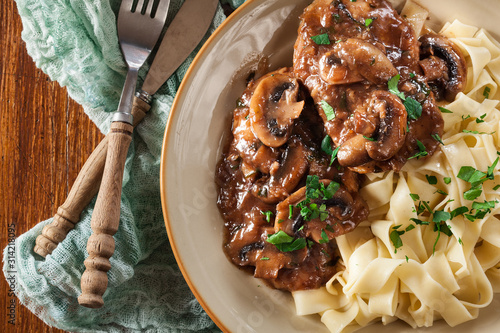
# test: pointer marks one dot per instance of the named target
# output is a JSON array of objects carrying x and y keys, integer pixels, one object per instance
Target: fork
[{"x": 140, "y": 23}]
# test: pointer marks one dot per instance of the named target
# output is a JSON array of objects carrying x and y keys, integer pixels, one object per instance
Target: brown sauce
[{"x": 289, "y": 179}]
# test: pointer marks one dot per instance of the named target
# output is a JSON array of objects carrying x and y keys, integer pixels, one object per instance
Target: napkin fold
[{"x": 75, "y": 42}]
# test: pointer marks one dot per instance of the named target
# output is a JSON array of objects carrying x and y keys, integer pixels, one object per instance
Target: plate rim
[{"x": 163, "y": 165}]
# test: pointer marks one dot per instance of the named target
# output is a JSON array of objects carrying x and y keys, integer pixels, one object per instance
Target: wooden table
[{"x": 45, "y": 138}]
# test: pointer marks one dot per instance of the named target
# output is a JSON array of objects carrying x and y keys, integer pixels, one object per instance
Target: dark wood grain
[{"x": 45, "y": 138}]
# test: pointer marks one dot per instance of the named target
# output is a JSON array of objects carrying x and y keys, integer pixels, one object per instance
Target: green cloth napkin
[{"x": 76, "y": 44}]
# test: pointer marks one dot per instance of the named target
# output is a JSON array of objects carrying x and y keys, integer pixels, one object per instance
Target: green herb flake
[
  {"x": 395, "y": 237},
  {"x": 324, "y": 237},
  {"x": 458, "y": 211},
  {"x": 413, "y": 108},
  {"x": 422, "y": 151},
  {"x": 264, "y": 258},
  {"x": 328, "y": 109},
  {"x": 481, "y": 119},
  {"x": 432, "y": 180},
  {"x": 491, "y": 169},
  {"x": 419, "y": 222},
  {"x": 444, "y": 110},
  {"x": 322, "y": 39},
  {"x": 441, "y": 192},
  {"x": 477, "y": 132},
  {"x": 285, "y": 242},
  {"x": 268, "y": 215},
  {"x": 393, "y": 87},
  {"x": 473, "y": 193},
  {"x": 368, "y": 22},
  {"x": 441, "y": 216},
  {"x": 369, "y": 139},
  {"x": 496, "y": 187},
  {"x": 447, "y": 180},
  {"x": 414, "y": 196},
  {"x": 437, "y": 138},
  {"x": 326, "y": 145},
  {"x": 486, "y": 92}
]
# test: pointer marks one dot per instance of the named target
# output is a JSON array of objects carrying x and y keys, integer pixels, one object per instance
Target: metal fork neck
[{"x": 123, "y": 113}]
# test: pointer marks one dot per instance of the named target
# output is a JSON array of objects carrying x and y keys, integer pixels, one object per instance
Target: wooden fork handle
[
  {"x": 82, "y": 192},
  {"x": 105, "y": 218}
]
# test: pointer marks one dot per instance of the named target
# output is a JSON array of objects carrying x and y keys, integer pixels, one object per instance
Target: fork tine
[
  {"x": 139, "y": 7},
  {"x": 162, "y": 10},
  {"x": 126, "y": 5},
  {"x": 149, "y": 8}
]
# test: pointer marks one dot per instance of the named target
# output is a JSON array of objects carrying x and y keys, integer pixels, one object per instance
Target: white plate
[{"x": 192, "y": 145}]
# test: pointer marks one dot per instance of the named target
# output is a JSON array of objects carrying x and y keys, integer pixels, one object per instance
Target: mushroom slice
[
  {"x": 381, "y": 137},
  {"x": 391, "y": 133},
  {"x": 284, "y": 176},
  {"x": 354, "y": 60},
  {"x": 453, "y": 67},
  {"x": 339, "y": 214},
  {"x": 273, "y": 108}
]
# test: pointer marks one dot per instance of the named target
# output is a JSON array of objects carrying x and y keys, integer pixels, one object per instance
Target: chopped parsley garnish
[
  {"x": 477, "y": 132},
  {"x": 268, "y": 215},
  {"x": 444, "y": 110},
  {"x": 440, "y": 216},
  {"x": 480, "y": 209},
  {"x": 414, "y": 196},
  {"x": 436, "y": 137},
  {"x": 368, "y": 22},
  {"x": 395, "y": 235},
  {"x": 481, "y": 118},
  {"x": 413, "y": 108},
  {"x": 393, "y": 87},
  {"x": 458, "y": 211},
  {"x": 441, "y": 192},
  {"x": 447, "y": 180},
  {"x": 486, "y": 92},
  {"x": 322, "y": 39},
  {"x": 369, "y": 139},
  {"x": 315, "y": 190},
  {"x": 324, "y": 237},
  {"x": 328, "y": 109},
  {"x": 264, "y": 258},
  {"x": 432, "y": 180},
  {"x": 326, "y": 147},
  {"x": 496, "y": 187},
  {"x": 422, "y": 151},
  {"x": 476, "y": 178},
  {"x": 285, "y": 242}
]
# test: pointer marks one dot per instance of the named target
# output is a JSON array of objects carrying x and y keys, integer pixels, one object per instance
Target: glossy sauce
[{"x": 277, "y": 171}]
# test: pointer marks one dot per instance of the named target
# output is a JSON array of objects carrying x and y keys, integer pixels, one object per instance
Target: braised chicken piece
[
  {"x": 374, "y": 82},
  {"x": 282, "y": 198}
]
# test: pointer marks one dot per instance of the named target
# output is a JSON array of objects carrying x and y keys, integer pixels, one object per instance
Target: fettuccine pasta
[{"x": 430, "y": 248}]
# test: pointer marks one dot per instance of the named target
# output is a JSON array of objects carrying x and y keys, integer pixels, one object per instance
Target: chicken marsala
[{"x": 360, "y": 97}]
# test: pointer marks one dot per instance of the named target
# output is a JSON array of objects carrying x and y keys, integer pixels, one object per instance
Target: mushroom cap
[
  {"x": 454, "y": 79},
  {"x": 273, "y": 108}
]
